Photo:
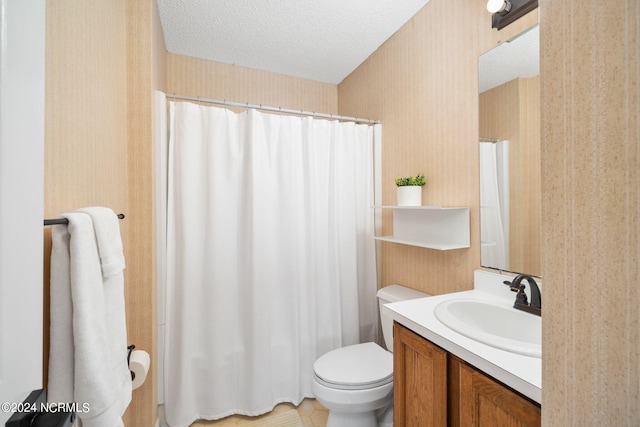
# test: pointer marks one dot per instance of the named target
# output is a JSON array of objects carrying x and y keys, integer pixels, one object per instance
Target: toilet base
[
  {"x": 382, "y": 417},
  {"x": 385, "y": 416},
  {"x": 346, "y": 419},
  {"x": 354, "y": 408}
]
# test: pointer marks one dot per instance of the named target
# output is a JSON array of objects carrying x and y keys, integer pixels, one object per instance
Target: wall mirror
[{"x": 510, "y": 179}]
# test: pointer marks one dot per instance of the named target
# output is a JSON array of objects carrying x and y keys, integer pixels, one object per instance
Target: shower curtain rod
[
  {"x": 493, "y": 140},
  {"x": 65, "y": 221},
  {"x": 274, "y": 109}
]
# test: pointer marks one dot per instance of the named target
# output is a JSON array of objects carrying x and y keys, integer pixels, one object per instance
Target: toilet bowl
[{"x": 355, "y": 383}]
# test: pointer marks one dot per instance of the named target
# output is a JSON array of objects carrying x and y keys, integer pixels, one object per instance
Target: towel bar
[{"x": 65, "y": 221}]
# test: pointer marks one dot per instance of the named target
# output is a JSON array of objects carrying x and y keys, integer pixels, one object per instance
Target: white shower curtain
[
  {"x": 270, "y": 256},
  {"x": 494, "y": 204}
]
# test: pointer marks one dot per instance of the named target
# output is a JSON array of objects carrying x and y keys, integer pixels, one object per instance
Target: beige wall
[
  {"x": 213, "y": 80},
  {"x": 101, "y": 56},
  {"x": 85, "y": 115},
  {"x": 590, "y": 149},
  {"x": 526, "y": 237},
  {"x": 86, "y": 106},
  {"x": 423, "y": 85},
  {"x": 145, "y": 69},
  {"x": 511, "y": 112}
]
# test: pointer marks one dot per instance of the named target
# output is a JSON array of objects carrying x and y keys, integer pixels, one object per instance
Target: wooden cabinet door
[
  {"x": 483, "y": 402},
  {"x": 420, "y": 381}
]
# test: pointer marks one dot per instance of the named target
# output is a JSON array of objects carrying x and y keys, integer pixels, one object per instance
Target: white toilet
[{"x": 356, "y": 382}]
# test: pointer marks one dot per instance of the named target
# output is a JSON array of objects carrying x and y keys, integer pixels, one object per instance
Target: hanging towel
[
  {"x": 61, "y": 366},
  {"x": 107, "y": 229},
  {"x": 87, "y": 362}
]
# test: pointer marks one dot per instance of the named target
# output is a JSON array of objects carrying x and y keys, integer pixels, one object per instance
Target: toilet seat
[{"x": 355, "y": 367}]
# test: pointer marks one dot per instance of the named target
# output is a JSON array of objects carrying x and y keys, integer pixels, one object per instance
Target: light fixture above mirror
[
  {"x": 499, "y": 6},
  {"x": 507, "y": 11}
]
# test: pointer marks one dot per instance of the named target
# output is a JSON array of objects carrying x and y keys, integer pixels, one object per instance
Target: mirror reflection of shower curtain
[{"x": 494, "y": 204}]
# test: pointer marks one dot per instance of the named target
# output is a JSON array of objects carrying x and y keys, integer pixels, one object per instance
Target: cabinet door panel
[
  {"x": 487, "y": 403},
  {"x": 420, "y": 381}
]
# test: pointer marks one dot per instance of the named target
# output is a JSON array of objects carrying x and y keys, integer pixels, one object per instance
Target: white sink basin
[{"x": 496, "y": 325}]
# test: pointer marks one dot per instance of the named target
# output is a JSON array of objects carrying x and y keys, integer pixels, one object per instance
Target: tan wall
[
  {"x": 101, "y": 56},
  {"x": 86, "y": 110},
  {"x": 590, "y": 131},
  {"x": 526, "y": 237},
  {"x": 423, "y": 85},
  {"x": 85, "y": 115},
  {"x": 512, "y": 112},
  {"x": 145, "y": 68},
  {"x": 207, "y": 79}
]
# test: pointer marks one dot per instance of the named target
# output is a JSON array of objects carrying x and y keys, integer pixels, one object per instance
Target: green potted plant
[{"x": 410, "y": 190}]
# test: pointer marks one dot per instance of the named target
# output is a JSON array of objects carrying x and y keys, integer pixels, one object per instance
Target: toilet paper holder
[
  {"x": 139, "y": 362},
  {"x": 129, "y": 351}
]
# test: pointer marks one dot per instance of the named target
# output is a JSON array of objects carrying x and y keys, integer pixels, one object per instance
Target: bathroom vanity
[{"x": 444, "y": 377}]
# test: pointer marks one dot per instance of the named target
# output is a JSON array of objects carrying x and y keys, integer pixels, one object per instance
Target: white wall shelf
[{"x": 432, "y": 227}]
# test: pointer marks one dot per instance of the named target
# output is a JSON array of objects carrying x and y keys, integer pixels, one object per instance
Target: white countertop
[{"x": 522, "y": 373}]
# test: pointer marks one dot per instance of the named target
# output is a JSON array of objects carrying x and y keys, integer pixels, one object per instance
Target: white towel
[
  {"x": 87, "y": 354},
  {"x": 61, "y": 366},
  {"x": 107, "y": 231},
  {"x": 107, "y": 228}
]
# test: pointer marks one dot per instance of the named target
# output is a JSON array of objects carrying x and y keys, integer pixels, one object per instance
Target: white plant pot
[{"x": 410, "y": 195}]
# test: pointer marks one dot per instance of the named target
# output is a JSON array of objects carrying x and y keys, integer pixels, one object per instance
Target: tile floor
[{"x": 312, "y": 414}]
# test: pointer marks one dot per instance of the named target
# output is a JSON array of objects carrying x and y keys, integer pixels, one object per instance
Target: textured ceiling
[
  {"x": 323, "y": 40},
  {"x": 519, "y": 57}
]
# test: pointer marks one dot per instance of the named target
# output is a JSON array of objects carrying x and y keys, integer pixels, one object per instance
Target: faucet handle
[
  {"x": 510, "y": 284},
  {"x": 521, "y": 296}
]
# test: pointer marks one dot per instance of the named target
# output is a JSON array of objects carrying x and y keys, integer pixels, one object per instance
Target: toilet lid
[{"x": 357, "y": 366}]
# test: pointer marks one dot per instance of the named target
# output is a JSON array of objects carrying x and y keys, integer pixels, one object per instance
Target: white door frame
[{"x": 22, "y": 74}]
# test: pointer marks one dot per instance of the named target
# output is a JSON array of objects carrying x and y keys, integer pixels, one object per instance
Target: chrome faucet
[{"x": 522, "y": 302}]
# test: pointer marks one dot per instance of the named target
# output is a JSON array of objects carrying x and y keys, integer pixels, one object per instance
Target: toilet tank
[{"x": 394, "y": 293}]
